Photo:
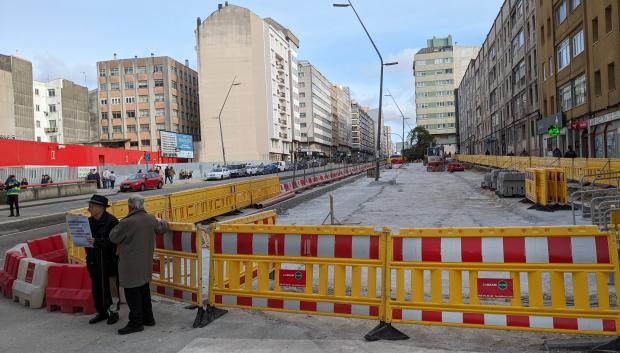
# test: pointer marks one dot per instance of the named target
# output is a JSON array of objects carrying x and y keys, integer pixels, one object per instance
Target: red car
[{"x": 142, "y": 181}]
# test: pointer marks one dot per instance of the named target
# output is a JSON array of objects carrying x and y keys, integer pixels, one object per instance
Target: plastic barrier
[
  {"x": 69, "y": 289},
  {"x": 22, "y": 248},
  {"x": 302, "y": 256},
  {"x": 9, "y": 273},
  {"x": 531, "y": 278},
  {"x": 264, "y": 189},
  {"x": 29, "y": 286},
  {"x": 201, "y": 204},
  {"x": 546, "y": 186},
  {"x": 179, "y": 254},
  {"x": 266, "y": 217},
  {"x": 243, "y": 194},
  {"x": 51, "y": 248}
]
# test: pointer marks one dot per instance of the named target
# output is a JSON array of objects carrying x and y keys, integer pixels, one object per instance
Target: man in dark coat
[
  {"x": 101, "y": 259},
  {"x": 135, "y": 235}
]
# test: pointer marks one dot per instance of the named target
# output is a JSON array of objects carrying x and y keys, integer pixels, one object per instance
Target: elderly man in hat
[
  {"x": 135, "y": 235},
  {"x": 101, "y": 259}
]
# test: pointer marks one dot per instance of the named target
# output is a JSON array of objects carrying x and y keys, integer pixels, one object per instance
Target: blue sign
[
  {"x": 147, "y": 156},
  {"x": 185, "y": 146}
]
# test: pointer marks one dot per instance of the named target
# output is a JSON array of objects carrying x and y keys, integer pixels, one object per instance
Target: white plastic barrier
[
  {"x": 21, "y": 248},
  {"x": 29, "y": 286}
]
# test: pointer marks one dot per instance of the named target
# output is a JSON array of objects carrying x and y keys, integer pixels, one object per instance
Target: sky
[{"x": 65, "y": 38}]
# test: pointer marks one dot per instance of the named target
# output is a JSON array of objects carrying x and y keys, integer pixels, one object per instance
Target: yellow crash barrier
[{"x": 265, "y": 188}]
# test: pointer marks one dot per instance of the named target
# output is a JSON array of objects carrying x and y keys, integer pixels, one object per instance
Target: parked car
[
  {"x": 142, "y": 181},
  {"x": 260, "y": 169},
  {"x": 252, "y": 168},
  {"x": 218, "y": 173},
  {"x": 237, "y": 170},
  {"x": 281, "y": 165},
  {"x": 300, "y": 165},
  {"x": 271, "y": 168}
]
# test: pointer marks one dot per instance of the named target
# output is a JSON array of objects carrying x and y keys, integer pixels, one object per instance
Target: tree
[{"x": 420, "y": 140}]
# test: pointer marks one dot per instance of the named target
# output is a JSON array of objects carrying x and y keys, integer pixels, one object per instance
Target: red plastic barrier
[
  {"x": 69, "y": 288},
  {"x": 8, "y": 275},
  {"x": 456, "y": 167},
  {"x": 50, "y": 248}
]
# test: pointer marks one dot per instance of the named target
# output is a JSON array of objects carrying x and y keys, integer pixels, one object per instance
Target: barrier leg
[
  {"x": 385, "y": 331},
  {"x": 611, "y": 346},
  {"x": 205, "y": 316}
]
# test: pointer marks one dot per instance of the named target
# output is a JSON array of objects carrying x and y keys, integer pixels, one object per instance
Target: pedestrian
[
  {"x": 570, "y": 153},
  {"x": 112, "y": 179},
  {"x": 557, "y": 153},
  {"x": 171, "y": 173},
  {"x": 98, "y": 179},
  {"x": 135, "y": 235},
  {"x": 166, "y": 172},
  {"x": 487, "y": 153},
  {"x": 45, "y": 179},
  {"x": 524, "y": 153},
  {"x": 105, "y": 178},
  {"x": 11, "y": 185},
  {"x": 101, "y": 259},
  {"x": 24, "y": 182}
]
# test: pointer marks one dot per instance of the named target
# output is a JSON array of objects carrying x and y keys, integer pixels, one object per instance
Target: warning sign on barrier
[
  {"x": 495, "y": 288},
  {"x": 293, "y": 278}
]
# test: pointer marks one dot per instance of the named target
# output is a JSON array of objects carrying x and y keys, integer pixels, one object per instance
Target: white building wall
[{"x": 48, "y": 111}]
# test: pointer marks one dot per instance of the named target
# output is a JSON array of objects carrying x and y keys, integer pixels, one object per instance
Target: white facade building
[{"x": 315, "y": 109}]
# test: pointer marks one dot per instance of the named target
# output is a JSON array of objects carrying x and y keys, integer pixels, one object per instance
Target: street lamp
[
  {"x": 402, "y": 151},
  {"x": 378, "y": 148},
  {"x": 219, "y": 117}
]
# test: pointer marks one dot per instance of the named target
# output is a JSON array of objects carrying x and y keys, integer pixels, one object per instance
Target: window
[
  {"x": 579, "y": 90},
  {"x": 595, "y": 29},
  {"x": 115, "y": 86},
  {"x": 577, "y": 43},
  {"x": 563, "y": 54},
  {"x": 103, "y": 101},
  {"x": 144, "y": 112},
  {"x": 52, "y": 108},
  {"x": 141, "y": 69},
  {"x": 143, "y": 99},
  {"x": 159, "y": 98},
  {"x": 102, "y": 73},
  {"x": 143, "y": 84},
  {"x": 52, "y": 123},
  {"x": 161, "y": 126},
  {"x": 302, "y": 105},
  {"x": 173, "y": 84},
  {"x": 565, "y": 96},
  {"x": 38, "y": 123},
  {"x": 159, "y": 112},
  {"x": 133, "y": 143},
  {"x": 159, "y": 83},
  {"x": 129, "y": 85},
  {"x": 597, "y": 83},
  {"x": 116, "y": 115},
  {"x": 104, "y": 115},
  {"x": 130, "y": 99},
  {"x": 560, "y": 13},
  {"x": 105, "y": 130},
  {"x": 37, "y": 108},
  {"x": 145, "y": 127},
  {"x": 131, "y": 113},
  {"x": 103, "y": 86},
  {"x": 518, "y": 41},
  {"x": 574, "y": 4},
  {"x": 116, "y": 101},
  {"x": 145, "y": 142},
  {"x": 129, "y": 70},
  {"x": 608, "y": 20},
  {"x": 114, "y": 71},
  {"x": 131, "y": 128},
  {"x": 117, "y": 129},
  {"x": 611, "y": 76},
  {"x": 158, "y": 68},
  {"x": 51, "y": 92}
]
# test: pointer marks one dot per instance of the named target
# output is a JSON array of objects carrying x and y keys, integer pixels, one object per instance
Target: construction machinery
[{"x": 435, "y": 159}]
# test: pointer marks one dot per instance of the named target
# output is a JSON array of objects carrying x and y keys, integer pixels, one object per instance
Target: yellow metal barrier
[
  {"x": 201, "y": 204},
  {"x": 243, "y": 194},
  {"x": 531, "y": 278},
  {"x": 265, "y": 188}
]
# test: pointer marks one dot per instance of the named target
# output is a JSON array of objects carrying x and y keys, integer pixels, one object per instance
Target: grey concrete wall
[{"x": 52, "y": 191}]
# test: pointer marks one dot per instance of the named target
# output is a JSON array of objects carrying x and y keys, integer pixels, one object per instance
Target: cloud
[{"x": 46, "y": 66}]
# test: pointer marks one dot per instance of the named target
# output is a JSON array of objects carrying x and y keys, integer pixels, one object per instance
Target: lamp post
[
  {"x": 219, "y": 117},
  {"x": 402, "y": 151},
  {"x": 378, "y": 148}
]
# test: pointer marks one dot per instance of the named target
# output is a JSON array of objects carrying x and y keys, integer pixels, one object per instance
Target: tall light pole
[
  {"x": 219, "y": 117},
  {"x": 402, "y": 151},
  {"x": 379, "y": 123}
]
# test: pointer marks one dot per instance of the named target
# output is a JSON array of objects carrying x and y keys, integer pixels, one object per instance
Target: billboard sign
[
  {"x": 185, "y": 146},
  {"x": 176, "y": 145}
]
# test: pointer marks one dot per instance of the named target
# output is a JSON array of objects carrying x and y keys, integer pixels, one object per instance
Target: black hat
[{"x": 99, "y": 200}]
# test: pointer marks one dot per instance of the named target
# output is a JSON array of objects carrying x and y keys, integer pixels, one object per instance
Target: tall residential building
[
  {"x": 387, "y": 147},
  {"x": 438, "y": 69},
  {"x": 138, "y": 97},
  {"x": 498, "y": 96},
  {"x": 315, "y": 111},
  {"x": 258, "y": 120},
  {"x": 16, "y": 107},
  {"x": 579, "y": 47},
  {"x": 362, "y": 132},
  {"x": 61, "y": 112},
  {"x": 341, "y": 121}
]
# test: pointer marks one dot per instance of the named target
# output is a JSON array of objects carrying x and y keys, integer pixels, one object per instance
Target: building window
[
  {"x": 159, "y": 98},
  {"x": 560, "y": 12},
  {"x": 131, "y": 113},
  {"x": 611, "y": 76},
  {"x": 608, "y": 20},
  {"x": 143, "y": 99},
  {"x": 159, "y": 112},
  {"x": 103, "y": 101},
  {"x": 104, "y": 115},
  {"x": 518, "y": 41},
  {"x": 574, "y": 4},
  {"x": 579, "y": 90},
  {"x": 563, "y": 54},
  {"x": 143, "y": 84},
  {"x": 133, "y": 143},
  {"x": 141, "y": 69},
  {"x": 173, "y": 84},
  {"x": 130, "y": 99},
  {"x": 117, "y": 129},
  {"x": 161, "y": 126},
  {"x": 159, "y": 83},
  {"x": 129, "y": 70},
  {"x": 37, "y": 108},
  {"x": 158, "y": 68},
  {"x": 565, "y": 97},
  {"x": 144, "y": 112},
  {"x": 52, "y": 108},
  {"x": 597, "y": 83},
  {"x": 38, "y": 122},
  {"x": 302, "y": 105},
  {"x": 116, "y": 115},
  {"x": 36, "y": 91},
  {"x": 51, "y": 92},
  {"x": 114, "y": 71},
  {"x": 103, "y": 86},
  {"x": 129, "y": 85},
  {"x": 145, "y": 142},
  {"x": 105, "y": 130},
  {"x": 102, "y": 72},
  {"x": 577, "y": 43},
  {"x": 131, "y": 128},
  {"x": 595, "y": 29},
  {"x": 115, "y": 86},
  {"x": 116, "y": 101},
  {"x": 145, "y": 127}
]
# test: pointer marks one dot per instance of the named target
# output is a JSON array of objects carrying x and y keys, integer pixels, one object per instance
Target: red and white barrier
[{"x": 31, "y": 282}]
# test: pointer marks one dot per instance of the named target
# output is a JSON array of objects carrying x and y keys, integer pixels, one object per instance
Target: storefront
[
  {"x": 552, "y": 133},
  {"x": 603, "y": 134},
  {"x": 578, "y": 137}
]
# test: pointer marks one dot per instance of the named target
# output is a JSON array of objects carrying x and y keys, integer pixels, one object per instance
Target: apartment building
[
  {"x": 341, "y": 121},
  {"x": 61, "y": 112},
  {"x": 387, "y": 147},
  {"x": 498, "y": 95},
  {"x": 579, "y": 45},
  {"x": 315, "y": 111},
  {"x": 138, "y": 97},
  {"x": 438, "y": 70},
  {"x": 362, "y": 132},
  {"x": 260, "y": 116},
  {"x": 16, "y": 106}
]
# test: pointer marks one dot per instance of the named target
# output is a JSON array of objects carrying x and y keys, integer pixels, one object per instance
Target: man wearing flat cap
[{"x": 101, "y": 259}]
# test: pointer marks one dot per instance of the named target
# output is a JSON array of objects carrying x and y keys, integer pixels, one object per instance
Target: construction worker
[{"x": 12, "y": 188}]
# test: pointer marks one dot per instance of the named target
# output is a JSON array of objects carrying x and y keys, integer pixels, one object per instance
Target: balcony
[
  {"x": 282, "y": 121},
  {"x": 51, "y": 130}
]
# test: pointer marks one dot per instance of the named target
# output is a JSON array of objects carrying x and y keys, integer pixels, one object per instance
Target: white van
[{"x": 281, "y": 165}]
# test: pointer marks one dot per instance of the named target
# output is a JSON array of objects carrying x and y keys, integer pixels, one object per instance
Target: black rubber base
[
  {"x": 385, "y": 331},
  {"x": 205, "y": 316},
  {"x": 611, "y": 346}
]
